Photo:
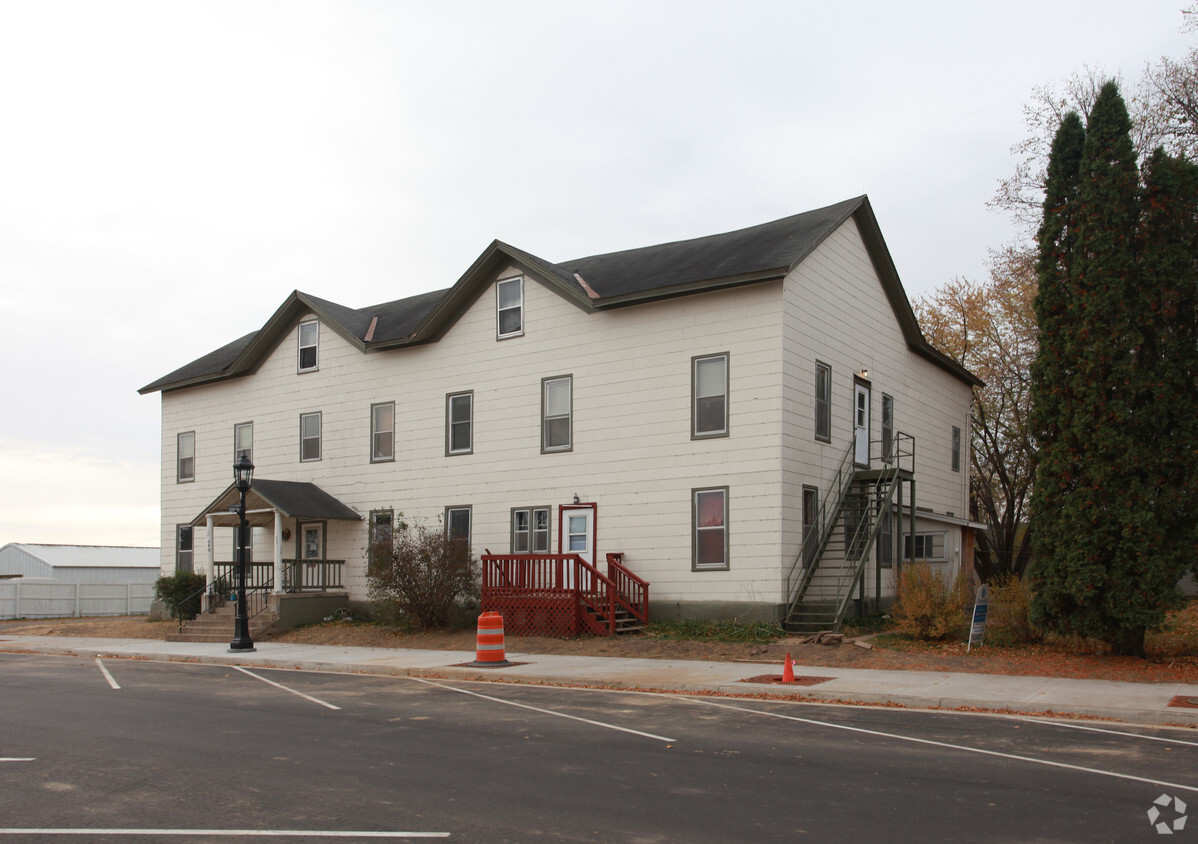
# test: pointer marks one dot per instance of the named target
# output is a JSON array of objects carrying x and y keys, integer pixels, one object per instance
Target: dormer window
[
  {"x": 309, "y": 340},
  {"x": 509, "y": 308}
]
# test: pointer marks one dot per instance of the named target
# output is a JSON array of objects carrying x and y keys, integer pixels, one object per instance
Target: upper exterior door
[{"x": 861, "y": 424}]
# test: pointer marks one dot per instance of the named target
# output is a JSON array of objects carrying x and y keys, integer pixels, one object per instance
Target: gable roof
[
  {"x": 293, "y": 499},
  {"x": 90, "y": 556},
  {"x": 598, "y": 282}
]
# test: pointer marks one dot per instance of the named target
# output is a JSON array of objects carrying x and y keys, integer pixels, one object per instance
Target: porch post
[
  {"x": 278, "y": 552},
  {"x": 209, "y": 564}
]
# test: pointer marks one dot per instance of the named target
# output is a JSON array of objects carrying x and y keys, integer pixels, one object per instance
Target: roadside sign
[{"x": 981, "y": 604}]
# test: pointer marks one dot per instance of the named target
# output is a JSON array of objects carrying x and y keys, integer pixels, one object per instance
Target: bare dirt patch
[{"x": 1173, "y": 654}]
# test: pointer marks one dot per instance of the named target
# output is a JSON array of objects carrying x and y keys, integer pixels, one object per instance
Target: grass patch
[{"x": 719, "y": 631}]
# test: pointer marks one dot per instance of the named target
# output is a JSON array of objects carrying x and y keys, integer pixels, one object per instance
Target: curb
[{"x": 800, "y": 694}]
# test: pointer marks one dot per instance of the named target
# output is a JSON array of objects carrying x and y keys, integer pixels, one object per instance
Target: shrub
[
  {"x": 927, "y": 607},
  {"x": 1010, "y": 609},
  {"x": 417, "y": 574},
  {"x": 180, "y": 592}
]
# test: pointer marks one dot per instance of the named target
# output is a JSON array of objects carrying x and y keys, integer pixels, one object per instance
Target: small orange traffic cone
[{"x": 788, "y": 671}]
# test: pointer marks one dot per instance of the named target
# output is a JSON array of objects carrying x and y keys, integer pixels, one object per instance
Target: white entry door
[
  {"x": 861, "y": 424},
  {"x": 578, "y": 537}
]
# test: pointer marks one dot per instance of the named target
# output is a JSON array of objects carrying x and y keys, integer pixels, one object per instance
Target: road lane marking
[
  {"x": 1100, "y": 730},
  {"x": 934, "y": 743},
  {"x": 18, "y": 758},
  {"x": 543, "y": 711},
  {"x": 284, "y": 688},
  {"x": 259, "y": 833},
  {"x": 107, "y": 676}
]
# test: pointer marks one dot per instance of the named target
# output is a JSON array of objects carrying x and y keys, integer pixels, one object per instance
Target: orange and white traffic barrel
[{"x": 489, "y": 651}]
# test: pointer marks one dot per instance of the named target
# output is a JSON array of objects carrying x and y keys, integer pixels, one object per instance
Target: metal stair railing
[
  {"x": 816, "y": 541},
  {"x": 898, "y": 456},
  {"x": 864, "y": 537}
]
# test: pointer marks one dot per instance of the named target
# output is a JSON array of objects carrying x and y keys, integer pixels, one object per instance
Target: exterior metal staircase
[{"x": 838, "y": 546}]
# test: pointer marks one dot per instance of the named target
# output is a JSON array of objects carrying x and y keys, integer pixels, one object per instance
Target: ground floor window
[
  {"x": 927, "y": 546},
  {"x": 382, "y": 523},
  {"x": 184, "y": 555},
  {"x": 457, "y": 523},
  {"x": 710, "y": 533},
  {"x": 530, "y": 530}
]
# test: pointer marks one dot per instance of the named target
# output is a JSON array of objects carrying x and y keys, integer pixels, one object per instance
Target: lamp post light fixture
[{"x": 243, "y": 472}]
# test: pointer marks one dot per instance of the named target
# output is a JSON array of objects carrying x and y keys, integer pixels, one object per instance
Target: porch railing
[
  {"x": 298, "y": 575},
  {"x": 634, "y": 590},
  {"x": 560, "y": 594}
]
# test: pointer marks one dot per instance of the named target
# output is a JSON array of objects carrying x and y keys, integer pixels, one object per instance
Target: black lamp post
[{"x": 243, "y": 471}]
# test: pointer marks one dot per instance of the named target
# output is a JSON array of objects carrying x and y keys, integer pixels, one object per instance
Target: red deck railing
[{"x": 560, "y": 594}]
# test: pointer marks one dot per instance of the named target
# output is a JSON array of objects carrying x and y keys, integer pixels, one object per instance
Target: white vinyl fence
[{"x": 59, "y": 600}]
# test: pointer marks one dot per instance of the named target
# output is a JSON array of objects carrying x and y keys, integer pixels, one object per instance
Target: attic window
[
  {"x": 509, "y": 308},
  {"x": 309, "y": 340}
]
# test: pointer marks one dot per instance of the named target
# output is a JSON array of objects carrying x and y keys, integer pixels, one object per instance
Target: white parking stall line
[
  {"x": 284, "y": 688},
  {"x": 249, "y": 833},
  {"x": 18, "y": 758},
  {"x": 965, "y": 748},
  {"x": 1100, "y": 730},
  {"x": 107, "y": 676},
  {"x": 542, "y": 711}
]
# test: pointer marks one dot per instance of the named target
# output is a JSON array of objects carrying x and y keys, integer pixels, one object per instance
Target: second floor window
[
  {"x": 556, "y": 413},
  {"x": 956, "y": 456},
  {"x": 823, "y": 402},
  {"x": 382, "y": 432},
  {"x": 309, "y": 341},
  {"x": 459, "y": 423},
  {"x": 509, "y": 307},
  {"x": 186, "y": 470},
  {"x": 309, "y": 437},
  {"x": 243, "y": 441},
  {"x": 709, "y": 382}
]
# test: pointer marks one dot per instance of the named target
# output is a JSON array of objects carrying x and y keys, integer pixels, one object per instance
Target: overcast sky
[{"x": 171, "y": 171}]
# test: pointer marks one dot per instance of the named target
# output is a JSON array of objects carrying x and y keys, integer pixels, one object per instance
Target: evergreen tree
[
  {"x": 1111, "y": 379},
  {"x": 1165, "y": 488},
  {"x": 1058, "y": 461}
]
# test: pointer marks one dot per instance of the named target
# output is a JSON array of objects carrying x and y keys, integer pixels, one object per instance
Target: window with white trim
[
  {"x": 382, "y": 432},
  {"x": 557, "y": 402},
  {"x": 309, "y": 437},
  {"x": 185, "y": 470},
  {"x": 243, "y": 441},
  {"x": 709, "y": 390},
  {"x": 710, "y": 520},
  {"x": 309, "y": 342},
  {"x": 823, "y": 402},
  {"x": 928, "y": 546},
  {"x": 530, "y": 530},
  {"x": 509, "y": 308},
  {"x": 459, "y": 423}
]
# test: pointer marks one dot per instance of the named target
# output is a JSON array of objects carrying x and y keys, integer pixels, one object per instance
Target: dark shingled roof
[
  {"x": 611, "y": 280},
  {"x": 294, "y": 499},
  {"x": 209, "y": 364},
  {"x": 771, "y": 246}
]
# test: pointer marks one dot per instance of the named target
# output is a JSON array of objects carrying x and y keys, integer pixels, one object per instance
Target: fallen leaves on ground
[{"x": 1173, "y": 652}]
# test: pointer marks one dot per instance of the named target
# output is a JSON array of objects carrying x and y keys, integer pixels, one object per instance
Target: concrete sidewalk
[{"x": 1143, "y": 703}]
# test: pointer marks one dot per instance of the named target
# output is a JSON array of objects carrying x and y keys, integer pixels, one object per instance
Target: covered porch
[{"x": 284, "y": 508}]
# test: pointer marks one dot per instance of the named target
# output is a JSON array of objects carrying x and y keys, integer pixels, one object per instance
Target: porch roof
[{"x": 291, "y": 499}]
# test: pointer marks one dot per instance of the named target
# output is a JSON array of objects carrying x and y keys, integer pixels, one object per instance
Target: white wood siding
[
  {"x": 837, "y": 312},
  {"x": 631, "y": 454}
]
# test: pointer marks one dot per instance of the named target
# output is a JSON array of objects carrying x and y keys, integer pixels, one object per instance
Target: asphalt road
[{"x": 159, "y": 751}]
